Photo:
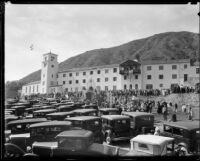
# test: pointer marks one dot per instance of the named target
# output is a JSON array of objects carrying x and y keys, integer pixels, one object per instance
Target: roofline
[
  {"x": 35, "y": 82},
  {"x": 89, "y": 68},
  {"x": 152, "y": 62},
  {"x": 50, "y": 53}
]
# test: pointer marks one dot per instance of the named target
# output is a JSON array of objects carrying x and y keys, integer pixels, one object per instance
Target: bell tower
[{"x": 48, "y": 72}]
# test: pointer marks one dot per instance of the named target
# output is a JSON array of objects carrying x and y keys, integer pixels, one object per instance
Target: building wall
[{"x": 29, "y": 89}]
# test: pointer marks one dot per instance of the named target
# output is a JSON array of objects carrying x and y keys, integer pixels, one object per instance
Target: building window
[
  {"x": 161, "y": 67},
  {"x": 37, "y": 88},
  {"x": 114, "y": 78},
  {"x": 64, "y": 75},
  {"x": 43, "y": 82},
  {"x": 114, "y": 70},
  {"x": 52, "y": 58},
  {"x": 130, "y": 86},
  {"x": 91, "y": 72},
  {"x": 52, "y": 66},
  {"x": 197, "y": 70},
  {"x": 148, "y": 76},
  {"x": 185, "y": 77},
  {"x": 125, "y": 77},
  {"x": 106, "y": 88},
  {"x": 33, "y": 89},
  {"x": 136, "y": 76},
  {"x": 83, "y": 88},
  {"x": 98, "y": 79},
  {"x": 84, "y": 73},
  {"x": 124, "y": 86},
  {"x": 174, "y": 76},
  {"x": 70, "y": 82},
  {"x": 43, "y": 75},
  {"x": 66, "y": 89},
  {"x": 114, "y": 87},
  {"x": 77, "y": 73},
  {"x": 98, "y": 72},
  {"x": 63, "y": 82},
  {"x": 106, "y": 79},
  {"x": 149, "y": 86},
  {"x": 52, "y": 76},
  {"x": 136, "y": 86},
  {"x": 185, "y": 66},
  {"x": 70, "y": 74},
  {"x": 161, "y": 76},
  {"x": 56, "y": 75},
  {"x": 106, "y": 70},
  {"x": 84, "y": 80},
  {"x": 174, "y": 67},
  {"x": 148, "y": 67},
  {"x": 76, "y": 81},
  {"x": 161, "y": 85}
]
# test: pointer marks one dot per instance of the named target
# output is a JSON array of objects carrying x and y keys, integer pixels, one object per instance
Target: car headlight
[{"x": 28, "y": 148}]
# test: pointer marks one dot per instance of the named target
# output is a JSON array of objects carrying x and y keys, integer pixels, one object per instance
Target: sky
[{"x": 69, "y": 30}]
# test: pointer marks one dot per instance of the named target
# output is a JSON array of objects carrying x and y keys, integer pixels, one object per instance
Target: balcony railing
[
  {"x": 133, "y": 71},
  {"x": 136, "y": 71}
]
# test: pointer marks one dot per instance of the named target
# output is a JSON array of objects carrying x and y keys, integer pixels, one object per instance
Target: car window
[
  {"x": 168, "y": 128},
  {"x": 143, "y": 146},
  {"x": 178, "y": 131},
  {"x": 145, "y": 118}
]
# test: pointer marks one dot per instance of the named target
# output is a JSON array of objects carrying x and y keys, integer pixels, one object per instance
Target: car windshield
[
  {"x": 93, "y": 125},
  {"x": 121, "y": 124},
  {"x": 70, "y": 143}
]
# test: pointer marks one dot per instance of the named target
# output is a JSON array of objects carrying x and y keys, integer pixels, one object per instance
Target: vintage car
[
  {"x": 108, "y": 111},
  {"x": 115, "y": 127},
  {"x": 78, "y": 105},
  {"x": 9, "y": 118},
  {"x": 19, "y": 110},
  {"x": 91, "y": 106},
  {"x": 187, "y": 132},
  {"x": 43, "y": 113},
  {"x": 22, "y": 126},
  {"x": 65, "y": 108},
  {"x": 141, "y": 122},
  {"x": 41, "y": 132},
  {"x": 85, "y": 112},
  {"x": 91, "y": 123},
  {"x": 10, "y": 111},
  {"x": 60, "y": 116},
  {"x": 151, "y": 145},
  {"x": 73, "y": 143},
  {"x": 26, "y": 104}
]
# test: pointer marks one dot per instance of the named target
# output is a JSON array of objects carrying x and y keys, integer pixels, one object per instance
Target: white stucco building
[{"x": 129, "y": 74}]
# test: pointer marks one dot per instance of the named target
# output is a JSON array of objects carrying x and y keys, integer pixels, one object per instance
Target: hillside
[{"x": 169, "y": 45}]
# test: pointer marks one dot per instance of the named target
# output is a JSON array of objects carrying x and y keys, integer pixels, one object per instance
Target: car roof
[
  {"x": 81, "y": 118},
  {"x": 65, "y": 106},
  {"x": 151, "y": 139},
  {"x": 28, "y": 120},
  {"x": 189, "y": 125},
  {"x": 46, "y": 144},
  {"x": 11, "y": 116},
  {"x": 114, "y": 117},
  {"x": 135, "y": 114},
  {"x": 108, "y": 109},
  {"x": 51, "y": 123},
  {"x": 27, "y": 135},
  {"x": 15, "y": 107},
  {"x": 84, "y": 110},
  {"x": 59, "y": 113},
  {"x": 75, "y": 133},
  {"x": 45, "y": 110}
]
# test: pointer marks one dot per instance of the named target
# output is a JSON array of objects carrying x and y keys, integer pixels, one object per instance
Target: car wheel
[{"x": 108, "y": 140}]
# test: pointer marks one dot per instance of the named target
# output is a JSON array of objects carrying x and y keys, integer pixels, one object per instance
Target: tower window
[
  {"x": 76, "y": 81},
  {"x": 91, "y": 72},
  {"x": 70, "y": 74},
  {"x": 52, "y": 66},
  {"x": 114, "y": 70},
  {"x": 63, "y": 82},
  {"x": 84, "y": 80},
  {"x": 64, "y": 75},
  {"x": 106, "y": 79},
  {"x": 106, "y": 71},
  {"x": 98, "y": 72},
  {"x": 84, "y": 73},
  {"x": 98, "y": 79},
  {"x": 52, "y": 75}
]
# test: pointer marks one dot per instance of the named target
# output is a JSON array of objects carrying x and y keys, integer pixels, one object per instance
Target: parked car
[
  {"x": 9, "y": 118},
  {"x": 108, "y": 111},
  {"x": 151, "y": 145},
  {"x": 19, "y": 110},
  {"x": 40, "y": 132},
  {"x": 22, "y": 126},
  {"x": 141, "y": 122},
  {"x": 187, "y": 132},
  {"x": 73, "y": 143},
  {"x": 42, "y": 113},
  {"x": 65, "y": 108},
  {"x": 85, "y": 112},
  {"x": 91, "y": 123},
  {"x": 115, "y": 127},
  {"x": 60, "y": 116},
  {"x": 91, "y": 106}
]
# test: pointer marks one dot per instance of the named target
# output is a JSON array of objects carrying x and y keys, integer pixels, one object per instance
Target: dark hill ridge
[{"x": 169, "y": 45}]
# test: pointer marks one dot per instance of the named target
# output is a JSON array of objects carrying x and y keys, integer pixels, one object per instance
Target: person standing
[
  {"x": 190, "y": 115},
  {"x": 165, "y": 113},
  {"x": 176, "y": 108}
]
